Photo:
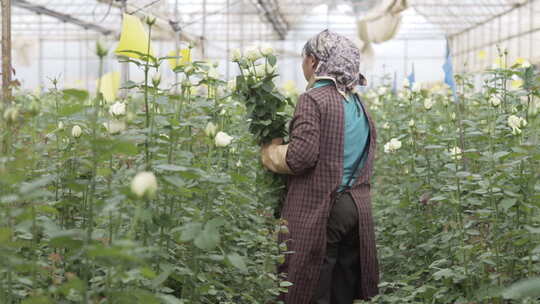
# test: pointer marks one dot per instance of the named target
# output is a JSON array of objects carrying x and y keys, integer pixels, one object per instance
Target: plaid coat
[{"x": 315, "y": 155}]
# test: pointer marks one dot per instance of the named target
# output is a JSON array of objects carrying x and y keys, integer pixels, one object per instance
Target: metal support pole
[
  {"x": 405, "y": 57},
  {"x": 519, "y": 52},
  {"x": 6, "y": 51},
  {"x": 203, "y": 35},
  {"x": 64, "y": 47},
  {"x": 124, "y": 66},
  {"x": 531, "y": 27},
  {"x": 242, "y": 24},
  {"x": 87, "y": 58},
  {"x": 228, "y": 38},
  {"x": 176, "y": 41},
  {"x": 40, "y": 55}
]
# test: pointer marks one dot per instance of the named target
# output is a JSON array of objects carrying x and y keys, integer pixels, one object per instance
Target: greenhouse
[{"x": 270, "y": 151}]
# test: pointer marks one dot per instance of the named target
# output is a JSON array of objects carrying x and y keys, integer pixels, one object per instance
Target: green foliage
[
  {"x": 266, "y": 106},
  {"x": 73, "y": 232},
  {"x": 459, "y": 227}
]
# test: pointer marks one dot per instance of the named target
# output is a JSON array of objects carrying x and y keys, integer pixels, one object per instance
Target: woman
[{"x": 329, "y": 160}]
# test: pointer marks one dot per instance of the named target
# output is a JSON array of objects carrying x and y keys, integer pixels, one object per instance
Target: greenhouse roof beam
[
  {"x": 42, "y": 10},
  {"x": 494, "y": 17},
  {"x": 270, "y": 10}
]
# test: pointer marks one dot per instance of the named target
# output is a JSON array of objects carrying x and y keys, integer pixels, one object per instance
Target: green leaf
[
  {"x": 209, "y": 238},
  {"x": 38, "y": 300},
  {"x": 79, "y": 95},
  {"x": 272, "y": 60},
  {"x": 285, "y": 284},
  {"x": 190, "y": 231},
  {"x": 508, "y": 203},
  {"x": 523, "y": 289},
  {"x": 237, "y": 261}
]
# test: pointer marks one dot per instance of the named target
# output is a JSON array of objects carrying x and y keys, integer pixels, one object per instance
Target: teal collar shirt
[{"x": 356, "y": 136}]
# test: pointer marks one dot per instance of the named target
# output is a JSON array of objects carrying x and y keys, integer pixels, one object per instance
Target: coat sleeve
[{"x": 303, "y": 150}]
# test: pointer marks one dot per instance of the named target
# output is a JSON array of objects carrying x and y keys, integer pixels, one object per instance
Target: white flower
[
  {"x": 223, "y": 139},
  {"x": 526, "y": 64},
  {"x": 393, "y": 145},
  {"x": 382, "y": 90},
  {"x": 428, "y": 103},
  {"x": 440, "y": 128},
  {"x": 406, "y": 83},
  {"x": 210, "y": 130},
  {"x": 416, "y": 87},
  {"x": 60, "y": 125},
  {"x": 239, "y": 163},
  {"x": 156, "y": 79},
  {"x": 453, "y": 116},
  {"x": 456, "y": 153},
  {"x": 252, "y": 53},
  {"x": 515, "y": 123},
  {"x": 118, "y": 109},
  {"x": 411, "y": 123},
  {"x": 115, "y": 126},
  {"x": 76, "y": 131},
  {"x": 386, "y": 125},
  {"x": 266, "y": 49},
  {"x": 495, "y": 101},
  {"x": 144, "y": 183},
  {"x": 236, "y": 55}
]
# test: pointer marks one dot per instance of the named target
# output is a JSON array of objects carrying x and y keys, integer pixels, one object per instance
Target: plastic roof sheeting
[{"x": 247, "y": 20}]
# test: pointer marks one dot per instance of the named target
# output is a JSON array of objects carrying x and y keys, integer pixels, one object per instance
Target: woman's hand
[{"x": 273, "y": 156}]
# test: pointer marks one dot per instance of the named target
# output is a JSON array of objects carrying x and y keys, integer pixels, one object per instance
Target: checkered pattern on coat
[{"x": 315, "y": 155}]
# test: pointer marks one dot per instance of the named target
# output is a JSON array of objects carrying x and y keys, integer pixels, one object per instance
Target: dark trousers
[{"x": 340, "y": 271}]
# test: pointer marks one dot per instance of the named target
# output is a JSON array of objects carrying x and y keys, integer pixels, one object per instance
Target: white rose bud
[
  {"x": 516, "y": 123},
  {"x": 210, "y": 130},
  {"x": 60, "y": 125},
  {"x": 393, "y": 145},
  {"x": 223, "y": 139},
  {"x": 428, "y": 103},
  {"x": 236, "y": 55},
  {"x": 495, "y": 101},
  {"x": 266, "y": 49},
  {"x": 453, "y": 116},
  {"x": 411, "y": 123},
  {"x": 118, "y": 109},
  {"x": 144, "y": 183},
  {"x": 76, "y": 131},
  {"x": 386, "y": 125},
  {"x": 156, "y": 79},
  {"x": 252, "y": 53}
]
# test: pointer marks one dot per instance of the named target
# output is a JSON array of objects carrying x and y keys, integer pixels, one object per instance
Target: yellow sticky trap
[
  {"x": 482, "y": 55},
  {"x": 110, "y": 84},
  {"x": 133, "y": 38},
  {"x": 176, "y": 62}
]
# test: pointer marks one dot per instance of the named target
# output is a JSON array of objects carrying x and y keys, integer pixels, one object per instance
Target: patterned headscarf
[{"x": 339, "y": 60}]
